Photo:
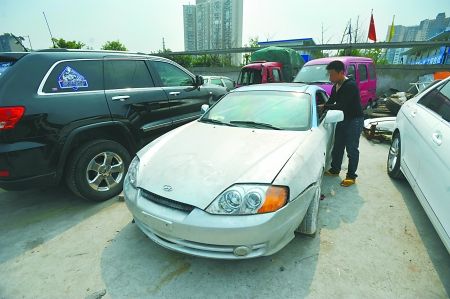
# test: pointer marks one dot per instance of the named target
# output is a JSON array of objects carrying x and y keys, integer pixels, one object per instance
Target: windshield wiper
[
  {"x": 253, "y": 123},
  {"x": 215, "y": 121}
]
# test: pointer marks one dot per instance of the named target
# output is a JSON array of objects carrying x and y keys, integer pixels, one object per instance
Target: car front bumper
[{"x": 219, "y": 236}]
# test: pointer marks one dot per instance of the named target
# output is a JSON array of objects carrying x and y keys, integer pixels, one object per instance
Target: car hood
[{"x": 199, "y": 161}]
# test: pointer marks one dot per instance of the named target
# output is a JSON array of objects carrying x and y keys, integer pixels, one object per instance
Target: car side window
[
  {"x": 351, "y": 73},
  {"x": 171, "y": 75},
  {"x": 75, "y": 76},
  {"x": 362, "y": 68},
  {"x": 216, "y": 82},
  {"x": 120, "y": 74},
  {"x": 438, "y": 100},
  {"x": 321, "y": 98},
  {"x": 229, "y": 83},
  {"x": 372, "y": 74}
]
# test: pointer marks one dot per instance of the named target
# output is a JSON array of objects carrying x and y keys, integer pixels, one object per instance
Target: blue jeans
[{"x": 347, "y": 138}]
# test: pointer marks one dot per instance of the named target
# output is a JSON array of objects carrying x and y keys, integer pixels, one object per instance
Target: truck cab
[{"x": 260, "y": 72}]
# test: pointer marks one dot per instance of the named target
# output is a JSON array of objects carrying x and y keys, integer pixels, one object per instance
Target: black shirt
[{"x": 347, "y": 99}]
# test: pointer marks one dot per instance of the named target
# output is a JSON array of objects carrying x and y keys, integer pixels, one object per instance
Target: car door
[
  {"x": 363, "y": 84},
  {"x": 185, "y": 98},
  {"x": 133, "y": 98},
  {"x": 433, "y": 127},
  {"x": 326, "y": 131}
]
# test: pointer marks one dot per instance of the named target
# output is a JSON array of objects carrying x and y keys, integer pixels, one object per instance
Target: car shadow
[
  {"x": 30, "y": 218},
  {"x": 436, "y": 250},
  {"x": 133, "y": 266}
]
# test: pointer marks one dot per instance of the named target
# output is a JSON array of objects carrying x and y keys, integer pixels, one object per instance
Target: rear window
[
  {"x": 362, "y": 72},
  {"x": 4, "y": 66},
  {"x": 75, "y": 76},
  {"x": 372, "y": 74}
]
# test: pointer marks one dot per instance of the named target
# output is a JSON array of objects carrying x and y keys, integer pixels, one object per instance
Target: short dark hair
[{"x": 336, "y": 65}]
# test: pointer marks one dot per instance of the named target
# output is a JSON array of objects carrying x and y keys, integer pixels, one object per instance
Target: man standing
[{"x": 345, "y": 97}]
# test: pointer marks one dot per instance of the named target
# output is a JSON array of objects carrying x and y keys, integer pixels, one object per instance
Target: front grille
[{"x": 165, "y": 201}]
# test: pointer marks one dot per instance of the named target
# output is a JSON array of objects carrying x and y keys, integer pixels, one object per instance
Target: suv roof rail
[{"x": 89, "y": 51}]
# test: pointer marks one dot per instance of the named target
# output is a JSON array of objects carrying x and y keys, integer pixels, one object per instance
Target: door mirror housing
[{"x": 334, "y": 116}]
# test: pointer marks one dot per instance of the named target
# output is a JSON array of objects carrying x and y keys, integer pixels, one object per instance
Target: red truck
[{"x": 270, "y": 65}]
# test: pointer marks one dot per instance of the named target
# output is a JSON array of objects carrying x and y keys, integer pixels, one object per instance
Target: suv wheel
[{"x": 96, "y": 170}]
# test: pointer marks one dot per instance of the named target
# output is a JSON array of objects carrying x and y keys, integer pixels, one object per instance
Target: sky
[{"x": 141, "y": 25}]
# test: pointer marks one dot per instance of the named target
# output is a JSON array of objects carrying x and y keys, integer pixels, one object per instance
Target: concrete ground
[{"x": 375, "y": 242}]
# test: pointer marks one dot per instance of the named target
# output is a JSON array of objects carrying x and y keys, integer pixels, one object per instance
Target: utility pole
[
  {"x": 164, "y": 45},
  {"x": 51, "y": 36},
  {"x": 356, "y": 30}
]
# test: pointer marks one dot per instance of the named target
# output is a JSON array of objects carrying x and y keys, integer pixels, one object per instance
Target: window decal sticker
[{"x": 71, "y": 79}]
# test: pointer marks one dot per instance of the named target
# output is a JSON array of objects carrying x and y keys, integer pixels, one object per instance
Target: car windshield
[
  {"x": 313, "y": 74},
  {"x": 280, "y": 110},
  {"x": 249, "y": 77}
]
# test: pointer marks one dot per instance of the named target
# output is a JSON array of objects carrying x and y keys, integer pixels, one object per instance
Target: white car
[
  {"x": 221, "y": 81},
  {"x": 238, "y": 182},
  {"x": 420, "y": 151}
]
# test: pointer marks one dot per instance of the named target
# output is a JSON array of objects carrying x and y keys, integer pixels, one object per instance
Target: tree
[
  {"x": 67, "y": 44},
  {"x": 114, "y": 46}
]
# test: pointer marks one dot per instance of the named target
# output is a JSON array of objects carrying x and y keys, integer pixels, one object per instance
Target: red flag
[{"x": 372, "y": 33}]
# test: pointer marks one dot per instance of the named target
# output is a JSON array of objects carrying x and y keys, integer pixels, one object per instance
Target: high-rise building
[
  {"x": 213, "y": 24},
  {"x": 425, "y": 31}
]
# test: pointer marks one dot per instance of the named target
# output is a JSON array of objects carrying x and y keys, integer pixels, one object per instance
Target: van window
[
  {"x": 121, "y": 74},
  {"x": 362, "y": 72},
  {"x": 372, "y": 75},
  {"x": 75, "y": 76},
  {"x": 351, "y": 72}
]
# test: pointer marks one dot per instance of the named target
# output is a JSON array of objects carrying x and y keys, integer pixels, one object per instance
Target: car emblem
[{"x": 167, "y": 188}]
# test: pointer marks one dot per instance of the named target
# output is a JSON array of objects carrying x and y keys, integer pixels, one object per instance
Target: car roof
[
  {"x": 344, "y": 59},
  {"x": 291, "y": 87},
  {"x": 87, "y": 54}
]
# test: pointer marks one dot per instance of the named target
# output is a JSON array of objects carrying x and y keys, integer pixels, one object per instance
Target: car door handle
[
  {"x": 437, "y": 138},
  {"x": 413, "y": 113},
  {"x": 174, "y": 93},
  {"x": 120, "y": 98}
]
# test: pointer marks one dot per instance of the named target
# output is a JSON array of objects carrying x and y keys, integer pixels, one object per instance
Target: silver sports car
[{"x": 239, "y": 181}]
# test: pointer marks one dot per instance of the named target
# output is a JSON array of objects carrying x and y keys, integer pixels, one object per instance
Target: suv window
[
  {"x": 372, "y": 74},
  {"x": 351, "y": 72},
  {"x": 362, "y": 72},
  {"x": 438, "y": 100},
  {"x": 171, "y": 75},
  {"x": 74, "y": 76},
  {"x": 120, "y": 74}
]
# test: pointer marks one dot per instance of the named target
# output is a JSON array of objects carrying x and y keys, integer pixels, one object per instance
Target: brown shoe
[{"x": 348, "y": 182}]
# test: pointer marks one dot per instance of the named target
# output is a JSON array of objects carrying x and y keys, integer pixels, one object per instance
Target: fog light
[{"x": 241, "y": 251}]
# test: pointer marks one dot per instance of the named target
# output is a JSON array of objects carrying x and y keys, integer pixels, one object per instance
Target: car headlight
[
  {"x": 249, "y": 199},
  {"x": 130, "y": 182}
]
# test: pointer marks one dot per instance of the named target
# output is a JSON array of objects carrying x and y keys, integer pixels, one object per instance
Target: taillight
[
  {"x": 4, "y": 173},
  {"x": 10, "y": 116}
]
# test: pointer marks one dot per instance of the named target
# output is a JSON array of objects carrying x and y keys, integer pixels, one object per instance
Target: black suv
[{"x": 80, "y": 116}]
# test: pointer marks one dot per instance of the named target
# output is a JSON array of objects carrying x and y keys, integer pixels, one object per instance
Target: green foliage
[
  {"x": 114, "y": 46},
  {"x": 67, "y": 44},
  {"x": 377, "y": 55}
]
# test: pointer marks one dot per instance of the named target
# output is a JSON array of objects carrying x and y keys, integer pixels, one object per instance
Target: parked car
[
  {"x": 79, "y": 116},
  {"x": 361, "y": 69},
  {"x": 238, "y": 182},
  {"x": 420, "y": 151},
  {"x": 221, "y": 81}
]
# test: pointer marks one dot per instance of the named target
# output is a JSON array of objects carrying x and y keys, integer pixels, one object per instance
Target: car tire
[
  {"x": 309, "y": 225},
  {"x": 393, "y": 160},
  {"x": 97, "y": 169}
]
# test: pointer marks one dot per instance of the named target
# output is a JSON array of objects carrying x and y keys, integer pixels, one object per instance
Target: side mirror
[
  {"x": 199, "y": 81},
  {"x": 204, "y": 108},
  {"x": 334, "y": 116}
]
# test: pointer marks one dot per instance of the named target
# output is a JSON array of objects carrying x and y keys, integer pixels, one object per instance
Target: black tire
[
  {"x": 310, "y": 223},
  {"x": 394, "y": 156},
  {"x": 108, "y": 175}
]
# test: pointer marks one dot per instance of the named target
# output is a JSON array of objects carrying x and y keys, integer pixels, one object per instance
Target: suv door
[
  {"x": 133, "y": 98},
  {"x": 185, "y": 98}
]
